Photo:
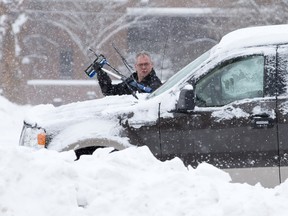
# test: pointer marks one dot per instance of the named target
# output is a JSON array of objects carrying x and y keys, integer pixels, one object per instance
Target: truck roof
[{"x": 253, "y": 36}]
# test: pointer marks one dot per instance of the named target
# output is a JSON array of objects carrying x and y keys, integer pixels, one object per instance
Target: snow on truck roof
[{"x": 253, "y": 36}]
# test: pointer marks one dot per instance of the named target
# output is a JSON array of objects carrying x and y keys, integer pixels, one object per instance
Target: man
[{"x": 144, "y": 75}]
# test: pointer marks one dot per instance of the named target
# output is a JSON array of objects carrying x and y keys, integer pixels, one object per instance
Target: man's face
[{"x": 143, "y": 66}]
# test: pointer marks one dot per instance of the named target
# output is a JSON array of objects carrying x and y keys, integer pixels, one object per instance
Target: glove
[{"x": 103, "y": 77}]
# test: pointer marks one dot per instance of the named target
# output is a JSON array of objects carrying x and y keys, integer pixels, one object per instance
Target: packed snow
[
  {"x": 129, "y": 182},
  {"x": 248, "y": 37}
]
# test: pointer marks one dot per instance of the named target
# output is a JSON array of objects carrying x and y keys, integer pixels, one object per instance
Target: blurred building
[{"x": 54, "y": 41}]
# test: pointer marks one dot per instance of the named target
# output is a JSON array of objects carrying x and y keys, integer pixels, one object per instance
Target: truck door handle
[{"x": 262, "y": 120}]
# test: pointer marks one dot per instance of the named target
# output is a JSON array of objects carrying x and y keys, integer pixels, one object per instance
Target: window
[
  {"x": 184, "y": 72},
  {"x": 236, "y": 80},
  {"x": 66, "y": 63}
]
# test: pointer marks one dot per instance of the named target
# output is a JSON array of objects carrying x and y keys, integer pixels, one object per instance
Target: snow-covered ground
[{"x": 128, "y": 182}]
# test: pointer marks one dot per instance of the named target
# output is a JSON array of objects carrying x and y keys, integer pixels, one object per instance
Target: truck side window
[{"x": 235, "y": 80}]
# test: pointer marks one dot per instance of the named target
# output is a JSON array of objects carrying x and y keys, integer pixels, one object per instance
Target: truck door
[
  {"x": 234, "y": 123},
  {"x": 282, "y": 75}
]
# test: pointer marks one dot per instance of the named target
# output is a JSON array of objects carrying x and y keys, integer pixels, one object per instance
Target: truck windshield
[{"x": 180, "y": 75}]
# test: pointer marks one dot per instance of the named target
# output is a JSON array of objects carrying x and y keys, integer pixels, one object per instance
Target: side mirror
[{"x": 186, "y": 100}]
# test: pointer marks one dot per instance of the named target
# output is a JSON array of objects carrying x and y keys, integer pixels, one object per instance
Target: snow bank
[
  {"x": 128, "y": 182},
  {"x": 11, "y": 116}
]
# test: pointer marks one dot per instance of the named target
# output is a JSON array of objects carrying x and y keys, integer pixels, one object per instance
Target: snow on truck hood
[
  {"x": 47, "y": 115},
  {"x": 82, "y": 120},
  {"x": 109, "y": 108},
  {"x": 97, "y": 118},
  {"x": 94, "y": 119}
]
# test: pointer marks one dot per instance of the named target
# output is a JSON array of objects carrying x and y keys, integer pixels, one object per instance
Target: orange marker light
[{"x": 41, "y": 138}]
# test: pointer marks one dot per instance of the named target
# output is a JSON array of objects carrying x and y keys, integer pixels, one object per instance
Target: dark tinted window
[{"x": 235, "y": 80}]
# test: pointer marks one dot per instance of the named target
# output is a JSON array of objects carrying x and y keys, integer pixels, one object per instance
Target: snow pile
[
  {"x": 128, "y": 182},
  {"x": 11, "y": 116}
]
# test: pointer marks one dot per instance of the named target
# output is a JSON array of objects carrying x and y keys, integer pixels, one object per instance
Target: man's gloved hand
[{"x": 97, "y": 68}]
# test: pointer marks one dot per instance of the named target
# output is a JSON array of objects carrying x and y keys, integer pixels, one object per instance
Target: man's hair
[{"x": 143, "y": 53}]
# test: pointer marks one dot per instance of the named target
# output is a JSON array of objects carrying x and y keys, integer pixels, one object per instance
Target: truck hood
[
  {"x": 48, "y": 116},
  {"x": 97, "y": 119}
]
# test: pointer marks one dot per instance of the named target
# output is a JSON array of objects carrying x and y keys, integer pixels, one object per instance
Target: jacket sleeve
[
  {"x": 156, "y": 83},
  {"x": 108, "y": 89},
  {"x": 105, "y": 83}
]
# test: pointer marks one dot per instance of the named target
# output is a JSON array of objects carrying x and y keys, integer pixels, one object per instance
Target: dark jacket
[{"x": 107, "y": 88}]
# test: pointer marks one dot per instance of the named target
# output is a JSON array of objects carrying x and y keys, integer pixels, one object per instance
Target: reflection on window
[
  {"x": 236, "y": 80},
  {"x": 184, "y": 72}
]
